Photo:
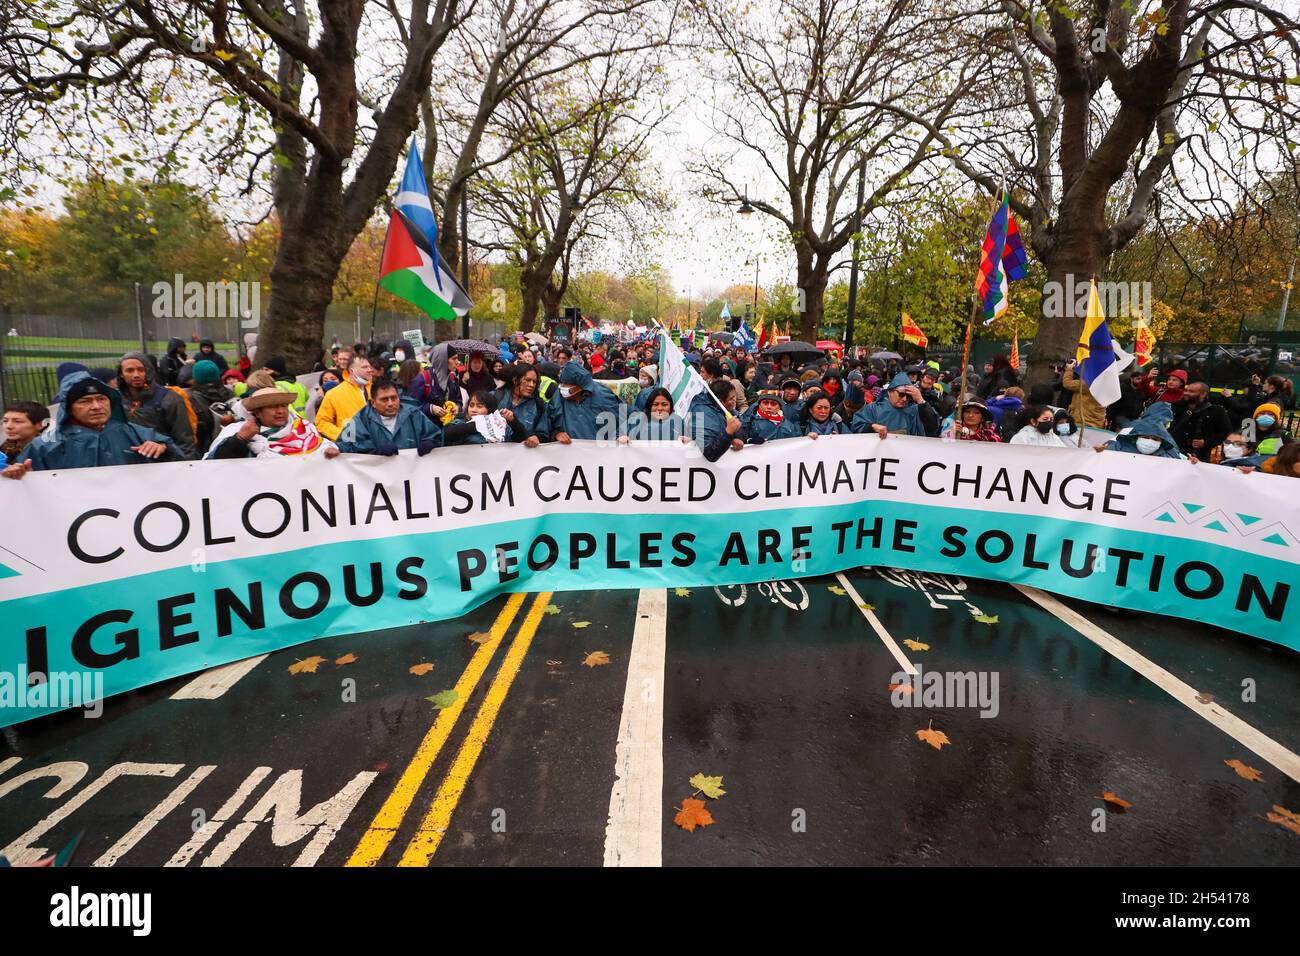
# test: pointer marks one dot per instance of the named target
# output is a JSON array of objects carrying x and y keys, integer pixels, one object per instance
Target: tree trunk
[
  {"x": 532, "y": 290},
  {"x": 1074, "y": 259},
  {"x": 812, "y": 275},
  {"x": 552, "y": 295}
]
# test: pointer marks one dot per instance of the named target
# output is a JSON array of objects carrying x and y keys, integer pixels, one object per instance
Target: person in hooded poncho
[
  {"x": 657, "y": 422},
  {"x": 93, "y": 434},
  {"x": 583, "y": 408},
  {"x": 898, "y": 411},
  {"x": 1149, "y": 435},
  {"x": 520, "y": 397},
  {"x": 819, "y": 417},
  {"x": 766, "y": 421},
  {"x": 387, "y": 425}
]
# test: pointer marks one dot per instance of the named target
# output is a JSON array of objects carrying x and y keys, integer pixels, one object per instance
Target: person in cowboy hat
[
  {"x": 975, "y": 424},
  {"x": 270, "y": 429}
]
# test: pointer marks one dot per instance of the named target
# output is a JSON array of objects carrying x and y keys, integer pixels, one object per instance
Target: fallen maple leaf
[
  {"x": 419, "y": 670},
  {"x": 935, "y": 738},
  {"x": 682, "y": 592},
  {"x": 915, "y": 645},
  {"x": 1284, "y": 818},
  {"x": 596, "y": 659},
  {"x": 837, "y": 590},
  {"x": 481, "y": 637},
  {"x": 348, "y": 658},
  {"x": 905, "y": 688},
  {"x": 1119, "y": 804},
  {"x": 551, "y": 609},
  {"x": 444, "y": 699},
  {"x": 711, "y": 787},
  {"x": 1242, "y": 771},
  {"x": 867, "y": 607},
  {"x": 986, "y": 618},
  {"x": 693, "y": 814},
  {"x": 581, "y": 624},
  {"x": 306, "y": 667}
]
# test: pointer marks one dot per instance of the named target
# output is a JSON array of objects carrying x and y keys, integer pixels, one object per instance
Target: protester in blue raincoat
[
  {"x": 584, "y": 408},
  {"x": 897, "y": 411},
  {"x": 766, "y": 421},
  {"x": 818, "y": 418},
  {"x": 520, "y": 396},
  {"x": 658, "y": 421},
  {"x": 93, "y": 435},
  {"x": 1149, "y": 435},
  {"x": 484, "y": 423},
  {"x": 386, "y": 425}
]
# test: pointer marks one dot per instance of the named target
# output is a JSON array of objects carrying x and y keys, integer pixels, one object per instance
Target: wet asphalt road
[{"x": 785, "y": 694}]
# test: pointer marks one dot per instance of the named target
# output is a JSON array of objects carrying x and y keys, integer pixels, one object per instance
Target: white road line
[
  {"x": 879, "y": 628},
  {"x": 634, "y": 833},
  {"x": 1263, "y": 746},
  {"x": 213, "y": 683},
  {"x": 154, "y": 817}
]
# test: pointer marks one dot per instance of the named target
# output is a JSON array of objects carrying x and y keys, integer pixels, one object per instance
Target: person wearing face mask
[
  {"x": 1149, "y": 435},
  {"x": 582, "y": 405},
  {"x": 1269, "y": 434},
  {"x": 345, "y": 399},
  {"x": 1237, "y": 451},
  {"x": 1039, "y": 428},
  {"x": 648, "y": 376},
  {"x": 819, "y": 417},
  {"x": 1199, "y": 425}
]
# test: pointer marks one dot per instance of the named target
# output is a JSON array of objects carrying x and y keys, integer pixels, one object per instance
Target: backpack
[{"x": 189, "y": 407}]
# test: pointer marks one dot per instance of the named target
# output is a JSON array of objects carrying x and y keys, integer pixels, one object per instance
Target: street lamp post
[{"x": 853, "y": 270}]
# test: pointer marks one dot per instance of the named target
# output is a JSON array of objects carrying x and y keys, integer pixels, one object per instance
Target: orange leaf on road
[
  {"x": 419, "y": 670},
  {"x": 480, "y": 637},
  {"x": 596, "y": 659},
  {"x": 1284, "y": 818},
  {"x": 306, "y": 667},
  {"x": 693, "y": 814},
  {"x": 348, "y": 658},
  {"x": 1242, "y": 771},
  {"x": 935, "y": 738},
  {"x": 905, "y": 688},
  {"x": 1116, "y": 802}
]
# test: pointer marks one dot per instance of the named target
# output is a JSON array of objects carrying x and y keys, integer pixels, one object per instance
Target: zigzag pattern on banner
[{"x": 1238, "y": 523}]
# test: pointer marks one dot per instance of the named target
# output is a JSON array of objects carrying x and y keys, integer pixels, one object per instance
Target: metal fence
[{"x": 32, "y": 346}]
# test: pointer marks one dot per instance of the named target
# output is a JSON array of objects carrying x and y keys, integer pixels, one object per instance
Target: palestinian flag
[{"x": 410, "y": 271}]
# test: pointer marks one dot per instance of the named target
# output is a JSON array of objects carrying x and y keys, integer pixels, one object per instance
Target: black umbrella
[
  {"x": 886, "y": 356},
  {"x": 800, "y": 350},
  {"x": 471, "y": 345}
]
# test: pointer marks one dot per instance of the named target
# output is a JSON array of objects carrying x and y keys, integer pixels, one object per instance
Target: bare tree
[
  {"x": 585, "y": 172},
  {"x": 813, "y": 90},
  {"x": 1101, "y": 98},
  {"x": 298, "y": 66}
]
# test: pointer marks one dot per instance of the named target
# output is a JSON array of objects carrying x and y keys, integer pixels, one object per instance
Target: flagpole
[
  {"x": 965, "y": 353},
  {"x": 375, "y": 305},
  {"x": 706, "y": 386}
]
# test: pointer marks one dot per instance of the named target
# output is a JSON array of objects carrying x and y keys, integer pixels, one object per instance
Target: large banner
[{"x": 145, "y": 572}]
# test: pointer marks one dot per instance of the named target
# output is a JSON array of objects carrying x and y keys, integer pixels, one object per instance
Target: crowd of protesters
[{"x": 382, "y": 398}]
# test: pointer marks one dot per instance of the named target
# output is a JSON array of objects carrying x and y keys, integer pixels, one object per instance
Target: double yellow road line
[{"x": 424, "y": 843}]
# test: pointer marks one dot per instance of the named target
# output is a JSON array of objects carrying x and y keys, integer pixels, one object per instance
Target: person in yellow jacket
[
  {"x": 1085, "y": 409},
  {"x": 345, "y": 399}
]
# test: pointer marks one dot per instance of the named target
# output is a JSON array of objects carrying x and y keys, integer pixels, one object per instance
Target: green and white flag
[{"x": 678, "y": 375}]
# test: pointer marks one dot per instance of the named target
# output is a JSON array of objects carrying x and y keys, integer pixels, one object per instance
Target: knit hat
[
  {"x": 206, "y": 372},
  {"x": 1273, "y": 407},
  {"x": 87, "y": 386},
  {"x": 277, "y": 364},
  {"x": 1179, "y": 374},
  {"x": 67, "y": 368}
]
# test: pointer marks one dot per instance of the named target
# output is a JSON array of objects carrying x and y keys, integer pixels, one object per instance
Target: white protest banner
[{"x": 145, "y": 572}]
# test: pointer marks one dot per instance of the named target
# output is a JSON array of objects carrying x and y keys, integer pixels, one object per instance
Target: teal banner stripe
[{"x": 167, "y": 622}]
